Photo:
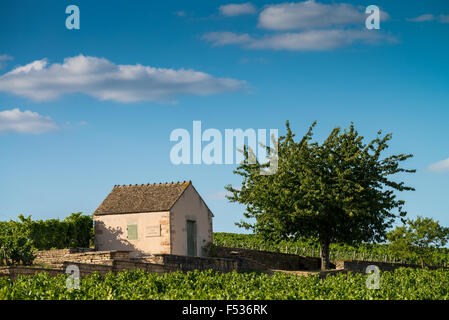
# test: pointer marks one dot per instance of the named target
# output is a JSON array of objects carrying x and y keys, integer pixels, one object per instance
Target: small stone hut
[{"x": 163, "y": 218}]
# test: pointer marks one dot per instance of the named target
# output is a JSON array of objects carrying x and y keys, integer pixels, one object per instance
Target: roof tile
[{"x": 142, "y": 198}]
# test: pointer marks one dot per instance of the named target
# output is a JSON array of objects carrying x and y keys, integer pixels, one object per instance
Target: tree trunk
[{"x": 324, "y": 254}]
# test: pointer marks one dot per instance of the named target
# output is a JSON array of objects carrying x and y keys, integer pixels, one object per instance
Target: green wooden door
[{"x": 190, "y": 238}]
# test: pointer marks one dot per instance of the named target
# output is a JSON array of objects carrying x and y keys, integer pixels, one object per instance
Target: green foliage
[
  {"x": 74, "y": 231},
  {"x": 337, "y": 191},
  {"x": 418, "y": 239},
  {"x": 401, "y": 284},
  {"x": 79, "y": 231},
  {"x": 338, "y": 251},
  {"x": 16, "y": 245}
]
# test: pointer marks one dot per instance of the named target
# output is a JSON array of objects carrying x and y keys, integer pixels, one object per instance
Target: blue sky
[{"x": 83, "y": 110}]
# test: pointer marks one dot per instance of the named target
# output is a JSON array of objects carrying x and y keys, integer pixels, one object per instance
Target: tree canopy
[
  {"x": 335, "y": 191},
  {"x": 419, "y": 237}
]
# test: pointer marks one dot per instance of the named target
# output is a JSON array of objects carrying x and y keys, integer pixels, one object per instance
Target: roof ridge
[{"x": 152, "y": 184}]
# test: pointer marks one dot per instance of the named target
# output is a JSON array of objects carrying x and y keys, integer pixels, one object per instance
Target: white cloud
[
  {"x": 311, "y": 20},
  {"x": 422, "y": 18},
  {"x": 104, "y": 80},
  {"x": 310, "y": 40},
  {"x": 233, "y": 9},
  {"x": 25, "y": 122},
  {"x": 441, "y": 166},
  {"x": 315, "y": 40},
  {"x": 310, "y": 14}
]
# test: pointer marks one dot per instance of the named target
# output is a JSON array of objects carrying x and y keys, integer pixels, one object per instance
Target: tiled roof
[{"x": 142, "y": 198}]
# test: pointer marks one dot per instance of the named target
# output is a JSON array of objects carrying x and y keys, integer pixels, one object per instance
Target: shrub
[
  {"x": 18, "y": 239},
  {"x": 72, "y": 232},
  {"x": 16, "y": 245}
]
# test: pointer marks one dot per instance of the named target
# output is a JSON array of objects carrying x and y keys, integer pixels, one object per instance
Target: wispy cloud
[
  {"x": 305, "y": 26},
  {"x": 422, "y": 18},
  {"x": 234, "y": 9},
  {"x": 428, "y": 17},
  {"x": 3, "y": 59},
  {"x": 309, "y": 40},
  {"x": 443, "y": 18},
  {"x": 221, "y": 195},
  {"x": 104, "y": 80},
  {"x": 224, "y": 38},
  {"x": 441, "y": 166},
  {"x": 180, "y": 13},
  {"x": 25, "y": 122},
  {"x": 311, "y": 14}
]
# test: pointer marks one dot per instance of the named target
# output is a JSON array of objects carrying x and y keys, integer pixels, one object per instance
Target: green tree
[
  {"x": 16, "y": 245},
  {"x": 336, "y": 191},
  {"x": 79, "y": 233},
  {"x": 418, "y": 238}
]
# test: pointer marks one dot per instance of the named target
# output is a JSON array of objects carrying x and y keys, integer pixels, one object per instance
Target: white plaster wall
[
  {"x": 111, "y": 233},
  {"x": 190, "y": 207}
]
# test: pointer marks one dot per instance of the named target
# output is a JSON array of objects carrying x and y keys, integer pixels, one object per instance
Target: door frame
[{"x": 193, "y": 221}]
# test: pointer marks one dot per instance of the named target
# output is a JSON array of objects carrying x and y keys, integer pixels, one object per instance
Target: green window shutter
[{"x": 132, "y": 231}]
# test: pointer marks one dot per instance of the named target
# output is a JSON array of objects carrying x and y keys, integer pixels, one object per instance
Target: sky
[{"x": 82, "y": 110}]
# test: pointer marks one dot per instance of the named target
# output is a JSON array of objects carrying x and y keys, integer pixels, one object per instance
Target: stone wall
[
  {"x": 118, "y": 266},
  {"x": 13, "y": 271},
  {"x": 254, "y": 259},
  {"x": 59, "y": 252},
  {"x": 122, "y": 265},
  {"x": 186, "y": 263},
  {"x": 56, "y": 258},
  {"x": 86, "y": 268},
  {"x": 220, "y": 259},
  {"x": 360, "y": 266}
]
